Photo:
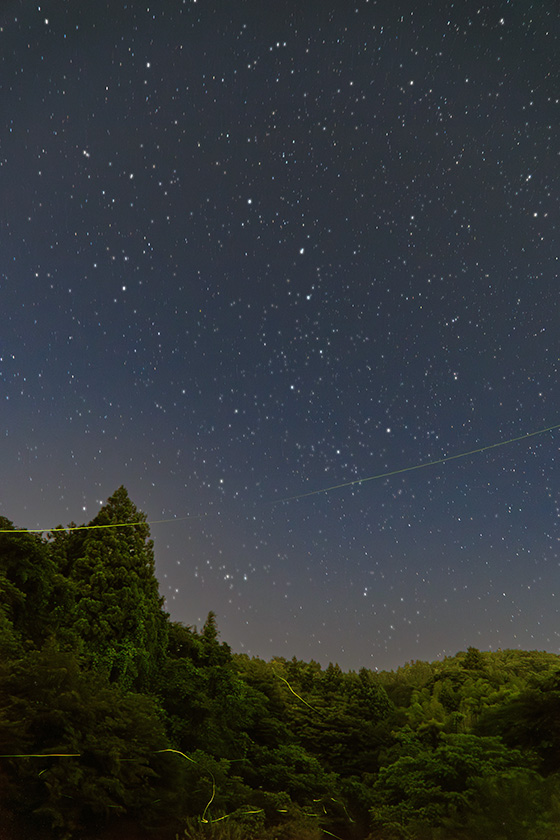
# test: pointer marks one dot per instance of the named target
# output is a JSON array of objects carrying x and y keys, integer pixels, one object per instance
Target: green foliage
[
  {"x": 243, "y": 824},
  {"x": 212, "y": 651},
  {"x": 205, "y": 700},
  {"x": 30, "y": 589},
  {"x": 290, "y": 768},
  {"x": 236, "y": 826},
  {"x": 103, "y": 740},
  {"x": 439, "y": 786},
  {"x": 118, "y": 611},
  {"x": 474, "y": 660},
  {"x": 513, "y": 805},
  {"x": 531, "y": 721},
  {"x": 113, "y": 716}
]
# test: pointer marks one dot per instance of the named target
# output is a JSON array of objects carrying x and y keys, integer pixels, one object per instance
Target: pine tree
[
  {"x": 118, "y": 612},
  {"x": 474, "y": 660},
  {"x": 213, "y": 652}
]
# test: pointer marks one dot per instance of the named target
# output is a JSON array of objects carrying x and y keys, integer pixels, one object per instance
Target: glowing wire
[
  {"x": 297, "y": 495},
  {"x": 169, "y": 750},
  {"x": 40, "y": 755},
  {"x": 416, "y": 466},
  {"x": 297, "y": 695},
  {"x": 95, "y": 527},
  {"x": 203, "y": 817},
  {"x": 236, "y": 813}
]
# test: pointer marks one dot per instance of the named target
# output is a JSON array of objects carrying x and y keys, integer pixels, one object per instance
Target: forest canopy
[{"x": 117, "y": 722}]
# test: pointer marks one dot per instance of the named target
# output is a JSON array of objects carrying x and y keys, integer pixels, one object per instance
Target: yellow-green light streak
[
  {"x": 416, "y": 466},
  {"x": 305, "y": 495}
]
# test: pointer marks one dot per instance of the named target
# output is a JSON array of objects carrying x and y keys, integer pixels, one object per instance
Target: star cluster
[{"x": 253, "y": 250}]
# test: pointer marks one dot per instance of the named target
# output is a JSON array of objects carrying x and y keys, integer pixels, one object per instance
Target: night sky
[{"x": 253, "y": 249}]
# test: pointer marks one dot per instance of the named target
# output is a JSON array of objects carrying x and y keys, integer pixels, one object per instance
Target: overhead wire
[
  {"x": 329, "y": 489},
  {"x": 416, "y": 466}
]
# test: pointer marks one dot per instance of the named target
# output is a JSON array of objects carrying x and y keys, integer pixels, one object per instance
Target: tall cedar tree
[{"x": 118, "y": 609}]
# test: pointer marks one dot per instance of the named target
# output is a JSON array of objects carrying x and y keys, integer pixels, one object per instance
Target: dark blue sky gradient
[{"x": 250, "y": 250}]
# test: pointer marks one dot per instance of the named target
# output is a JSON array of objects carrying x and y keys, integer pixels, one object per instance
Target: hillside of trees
[{"x": 117, "y": 722}]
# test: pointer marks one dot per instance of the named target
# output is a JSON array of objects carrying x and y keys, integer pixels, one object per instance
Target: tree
[
  {"x": 427, "y": 788},
  {"x": 100, "y": 743},
  {"x": 530, "y": 721},
  {"x": 291, "y": 769},
  {"x": 118, "y": 612},
  {"x": 474, "y": 660},
  {"x": 212, "y": 651},
  {"x": 517, "y": 804},
  {"x": 27, "y": 583}
]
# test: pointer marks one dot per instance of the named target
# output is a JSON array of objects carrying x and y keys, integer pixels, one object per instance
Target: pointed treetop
[{"x": 118, "y": 509}]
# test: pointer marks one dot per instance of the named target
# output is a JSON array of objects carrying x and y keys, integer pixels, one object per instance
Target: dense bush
[{"x": 115, "y": 720}]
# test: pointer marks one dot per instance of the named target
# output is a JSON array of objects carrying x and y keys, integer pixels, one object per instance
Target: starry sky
[{"x": 250, "y": 250}]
